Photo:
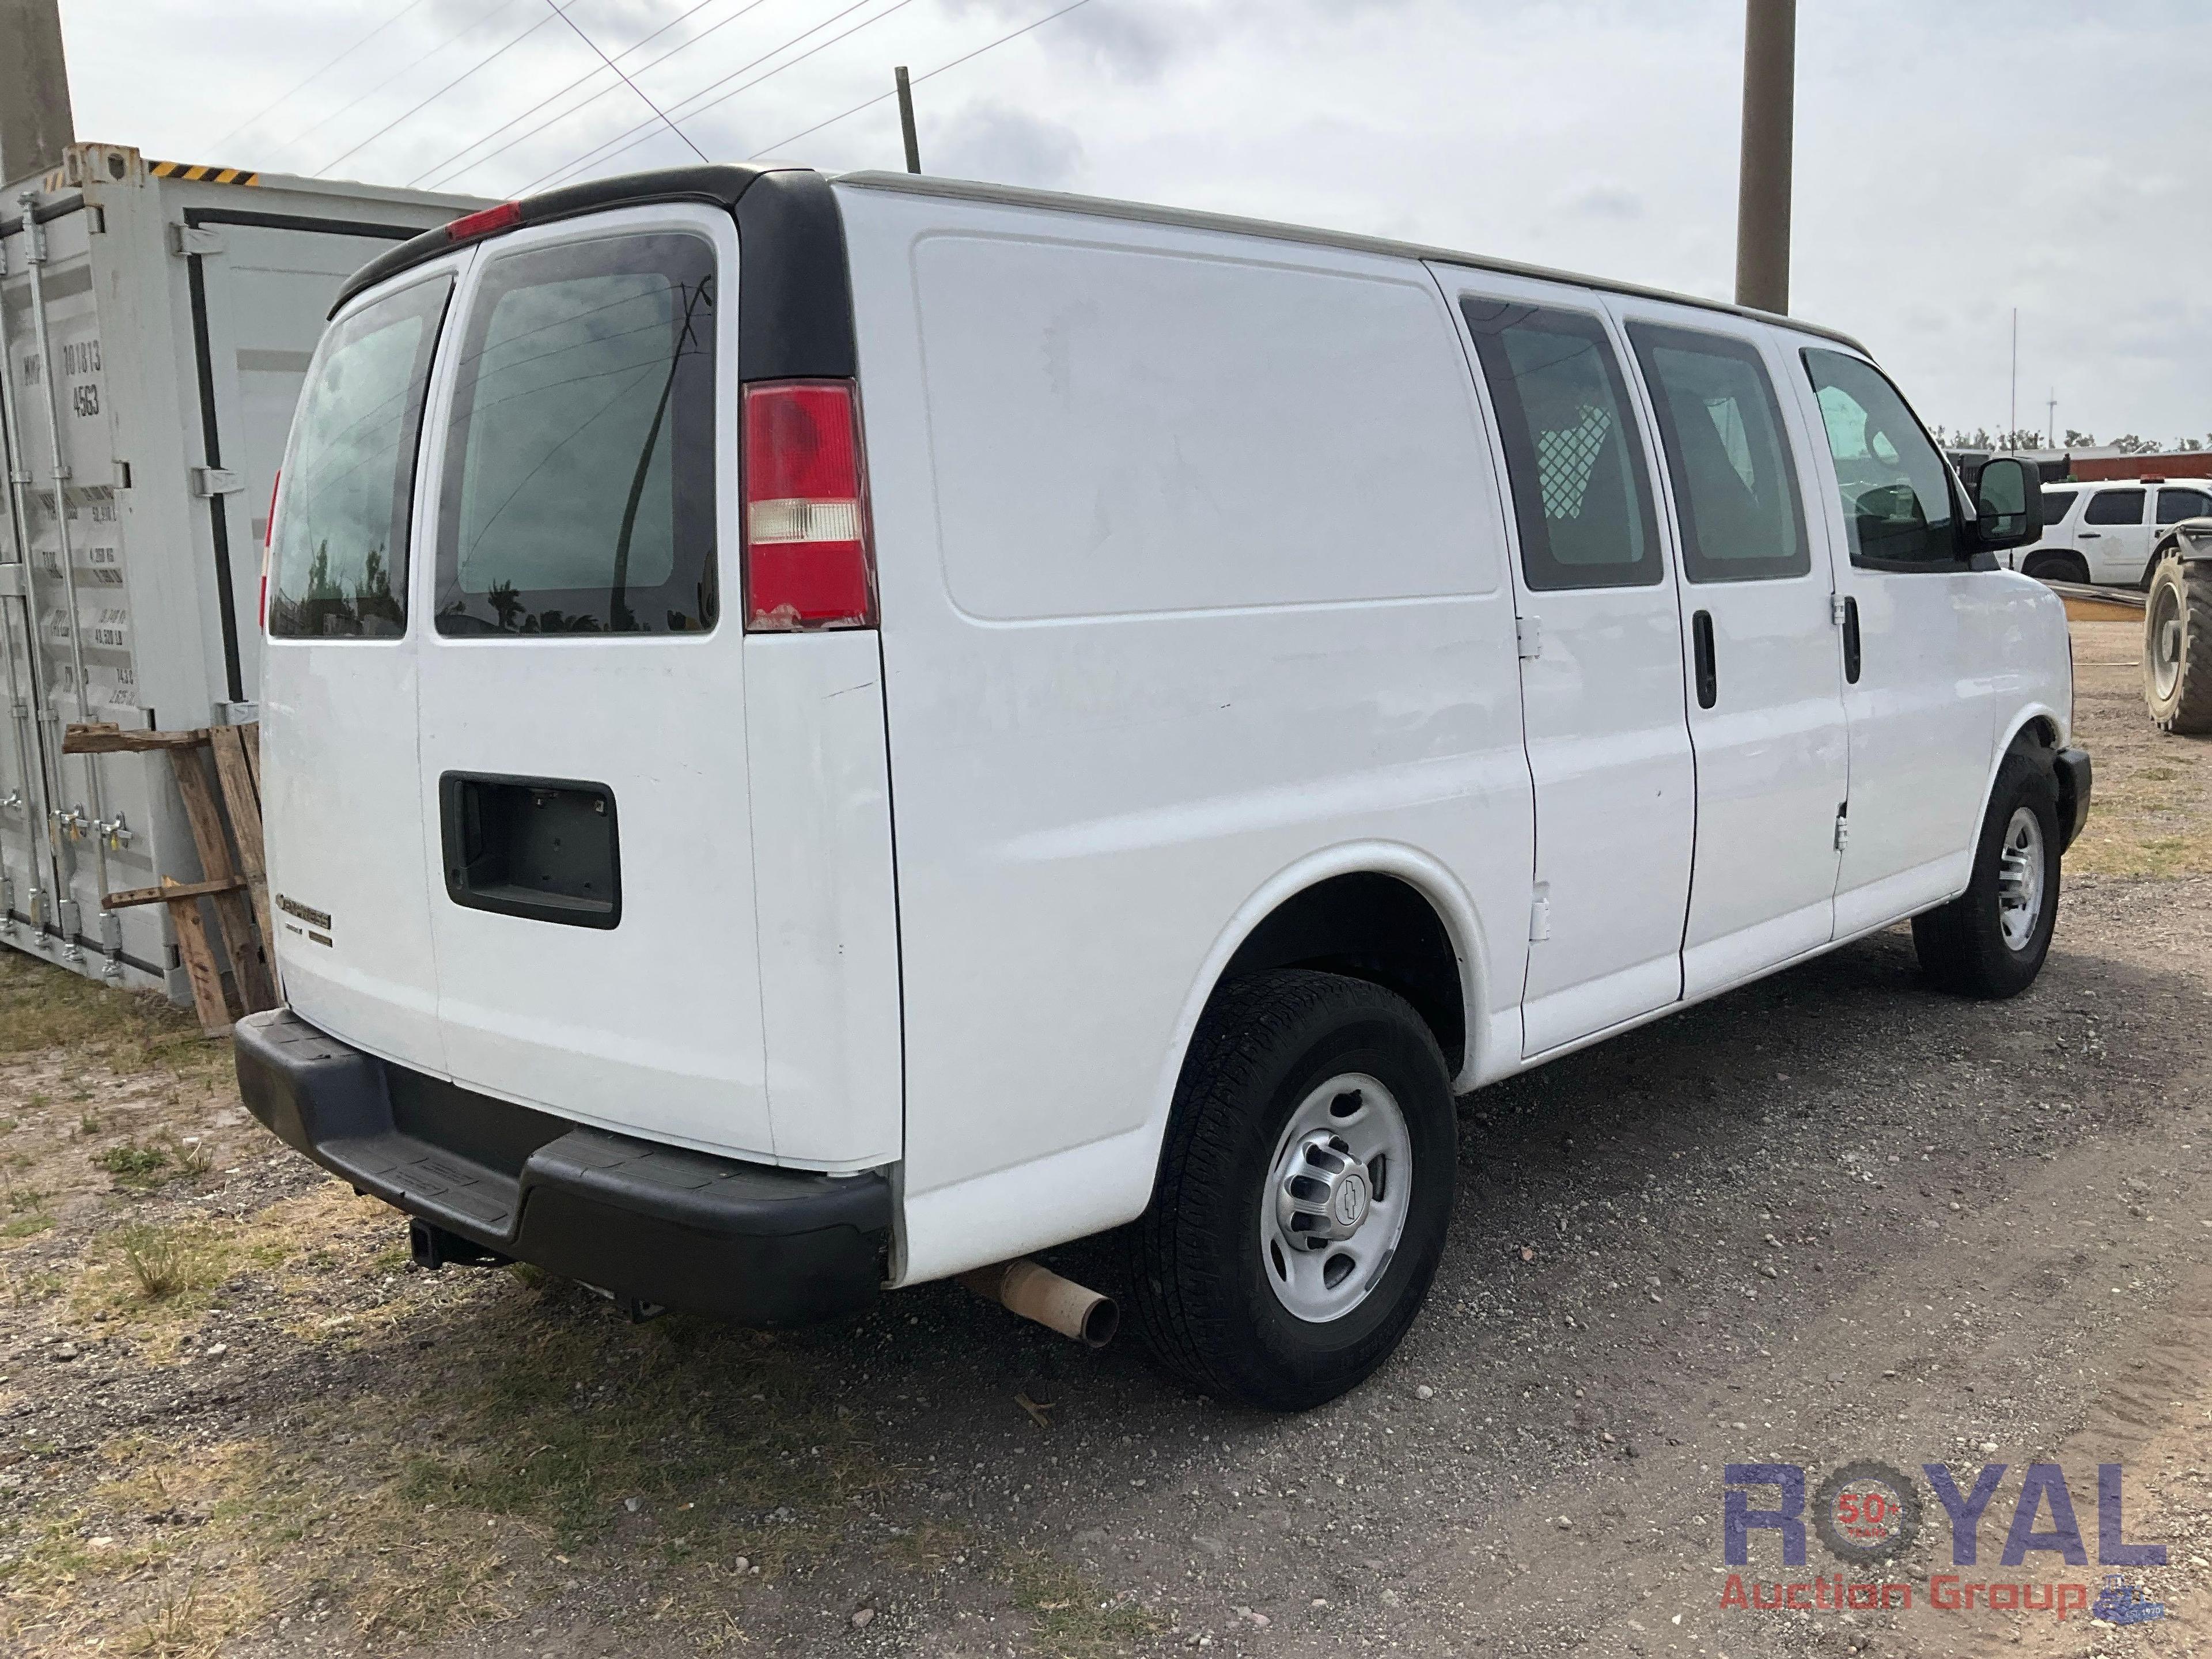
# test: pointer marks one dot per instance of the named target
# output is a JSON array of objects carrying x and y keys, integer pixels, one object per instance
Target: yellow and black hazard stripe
[{"x": 201, "y": 175}]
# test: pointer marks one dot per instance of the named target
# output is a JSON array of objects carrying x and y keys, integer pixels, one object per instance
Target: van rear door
[
  {"x": 583, "y": 762},
  {"x": 339, "y": 800}
]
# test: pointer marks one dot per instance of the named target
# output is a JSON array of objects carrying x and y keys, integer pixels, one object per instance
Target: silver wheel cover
[
  {"x": 2020, "y": 879},
  {"x": 1334, "y": 1204}
]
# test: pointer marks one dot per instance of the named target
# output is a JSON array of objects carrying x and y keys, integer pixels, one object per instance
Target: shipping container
[{"x": 156, "y": 320}]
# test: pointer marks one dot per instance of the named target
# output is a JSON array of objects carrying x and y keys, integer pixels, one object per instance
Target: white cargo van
[{"x": 823, "y": 733}]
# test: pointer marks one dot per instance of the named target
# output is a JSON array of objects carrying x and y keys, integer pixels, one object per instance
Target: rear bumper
[
  {"x": 646, "y": 1222},
  {"x": 2074, "y": 782}
]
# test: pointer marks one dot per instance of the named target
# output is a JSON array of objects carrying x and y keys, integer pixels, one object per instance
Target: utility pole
[
  {"x": 1762, "y": 211},
  {"x": 2051, "y": 421},
  {"x": 906, "y": 120},
  {"x": 35, "y": 122},
  {"x": 2012, "y": 426}
]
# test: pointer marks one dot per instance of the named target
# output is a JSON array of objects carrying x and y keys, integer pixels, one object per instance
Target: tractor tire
[{"x": 2178, "y": 647}]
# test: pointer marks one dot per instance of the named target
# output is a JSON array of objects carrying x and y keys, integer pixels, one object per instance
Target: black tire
[
  {"x": 2181, "y": 598},
  {"x": 1962, "y": 947},
  {"x": 1201, "y": 1297},
  {"x": 2059, "y": 567}
]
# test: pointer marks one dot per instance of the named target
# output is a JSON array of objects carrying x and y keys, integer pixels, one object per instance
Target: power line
[
  {"x": 635, "y": 135},
  {"x": 916, "y": 81},
  {"x": 577, "y": 109},
  {"x": 483, "y": 63},
  {"x": 407, "y": 68},
  {"x": 627, "y": 82},
  {"x": 625, "y": 142},
  {"x": 269, "y": 109}
]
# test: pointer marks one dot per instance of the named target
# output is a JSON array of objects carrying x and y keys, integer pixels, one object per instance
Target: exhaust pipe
[{"x": 1037, "y": 1293}]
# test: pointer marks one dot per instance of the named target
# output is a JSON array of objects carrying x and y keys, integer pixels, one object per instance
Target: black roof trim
[{"x": 718, "y": 185}]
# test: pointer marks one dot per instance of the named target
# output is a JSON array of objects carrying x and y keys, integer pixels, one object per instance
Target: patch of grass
[
  {"x": 79, "y": 1022},
  {"x": 159, "y": 1260},
  {"x": 133, "y": 1164},
  {"x": 26, "y": 1227},
  {"x": 1073, "y": 1617},
  {"x": 89, "y": 1125}
]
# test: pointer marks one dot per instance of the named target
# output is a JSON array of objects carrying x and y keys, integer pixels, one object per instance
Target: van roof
[
  {"x": 723, "y": 184},
  {"x": 1193, "y": 219}
]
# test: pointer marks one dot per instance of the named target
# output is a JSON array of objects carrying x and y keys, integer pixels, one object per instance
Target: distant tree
[
  {"x": 2021, "y": 439},
  {"x": 2188, "y": 445},
  {"x": 2080, "y": 439},
  {"x": 2129, "y": 444}
]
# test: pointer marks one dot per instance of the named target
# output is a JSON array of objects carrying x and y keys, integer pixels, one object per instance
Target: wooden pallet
[{"x": 224, "y": 811}]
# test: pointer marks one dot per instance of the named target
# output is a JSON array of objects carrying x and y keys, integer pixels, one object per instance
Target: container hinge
[
  {"x": 1843, "y": 825},
  {"x": 1539, "y": 913},
  {"x": 1529, "y": 631},
  {"x": 208, "y": 482},
  {"x": 14, "y": 585},
  {"x": 185, "y": 240}
]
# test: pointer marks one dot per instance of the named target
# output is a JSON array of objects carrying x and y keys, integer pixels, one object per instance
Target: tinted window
[
  {"x": 1895, "y": 488},
  {"x": 1580, "y": 495},
  {"x": 2115, "y": 507},
  {"x": 2175, "y": 505},
  {"x": 339, "y": 565},
  {"x": 2055, "y": 505},
  {"x": 1735, "y": 488},
  {"x": 579, "y": 493}
]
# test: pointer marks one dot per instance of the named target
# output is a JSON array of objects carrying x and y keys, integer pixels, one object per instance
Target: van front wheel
[
  {"x": 1991, "y": 940},
  {"x": 1303, "y": 1193}
]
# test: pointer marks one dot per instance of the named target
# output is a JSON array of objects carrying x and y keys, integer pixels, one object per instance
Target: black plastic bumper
[
  {"x": 2074, "y": 782},
  {"x": 645, "y": 1222}
]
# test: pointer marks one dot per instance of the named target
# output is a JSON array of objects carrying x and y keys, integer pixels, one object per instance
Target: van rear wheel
[
  {"x": 1304, "y": 1190},
  {"x": 1991, "y": 941}
]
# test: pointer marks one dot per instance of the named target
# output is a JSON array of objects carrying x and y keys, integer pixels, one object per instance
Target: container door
[
  {"x": 340, "y": 807},
  {"x": 583, "y": 716},
  {"x": 260, "y": 293},
  {"x": 1601, "y": 667},
  {"x": 1766, "y": 708}
]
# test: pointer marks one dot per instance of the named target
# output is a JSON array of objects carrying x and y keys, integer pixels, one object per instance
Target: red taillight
[
  {"x": 269, "y": 541},
  {"x": 484, "y": 221},
  {"x": 807, "y": 558}
]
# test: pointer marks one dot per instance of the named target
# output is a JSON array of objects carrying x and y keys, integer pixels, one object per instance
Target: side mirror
[{"x": 2007, "y": 503}]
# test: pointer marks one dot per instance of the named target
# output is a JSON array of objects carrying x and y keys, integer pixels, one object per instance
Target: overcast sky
[{"x": 1954, "y": 160}]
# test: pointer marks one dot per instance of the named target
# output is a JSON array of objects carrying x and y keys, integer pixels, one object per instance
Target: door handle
[
  {"x": 1701, "y": 638},
  {"x": 2092, "y": 535},
  {"x": 1852, "y": 641}
]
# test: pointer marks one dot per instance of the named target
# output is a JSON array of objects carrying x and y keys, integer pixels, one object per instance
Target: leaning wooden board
[{"x": 234, "y": 875}]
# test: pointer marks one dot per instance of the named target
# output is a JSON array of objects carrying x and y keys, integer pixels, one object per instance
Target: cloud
[
  {"x": 1607, "y": 202},
  {"x": 1004, "y": 147}
]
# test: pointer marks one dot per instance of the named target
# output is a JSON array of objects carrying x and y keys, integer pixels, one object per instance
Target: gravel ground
[{"x": 1828, "y": 1218}]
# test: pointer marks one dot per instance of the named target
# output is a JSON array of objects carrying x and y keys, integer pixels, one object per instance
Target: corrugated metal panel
[{"x": 156, "y": 321}]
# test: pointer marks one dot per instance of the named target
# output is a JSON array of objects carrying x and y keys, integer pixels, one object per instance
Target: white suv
[
  {"x": 2103, "y": 532},
  {"x": 825, "y": 733}
]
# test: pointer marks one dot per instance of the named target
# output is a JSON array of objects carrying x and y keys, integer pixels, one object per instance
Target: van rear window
[
  {"x": 578, "y": 491},
  {"x": 340, "y": 563}
]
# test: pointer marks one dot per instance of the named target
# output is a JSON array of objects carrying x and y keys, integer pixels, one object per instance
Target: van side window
[
  {"x": 579, "y": 489},
  {"x": 1895, "y": 485},
  {"x": 2055, "y": 505},
  {"x": 338, "y": 568},
  {"x": 1735, "y": 485},
  {"x": 2115, "y": 507},
  {"x": 2175, "y": 505},
  {"x": 1580, "y": 495}
]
